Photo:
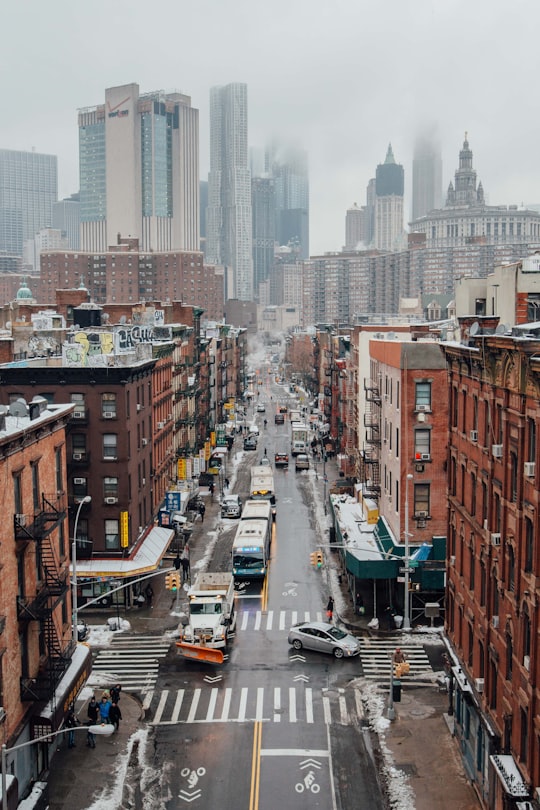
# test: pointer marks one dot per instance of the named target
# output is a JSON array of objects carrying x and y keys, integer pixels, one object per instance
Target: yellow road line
[{"x": 256, "y": 766}]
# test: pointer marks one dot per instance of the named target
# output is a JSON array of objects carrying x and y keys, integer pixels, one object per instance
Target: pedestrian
[
  {"x": 211, "y": 489},
  {"x": 149, "y": 593},
  {"x": 202, "y": 510},
  {"x": 330, "y": 609},
  {"x": 227, "y": 483},
  {"x": 93, "y": 714},
  {"x": 360, "y": 609},
  {"x": 115, "y": 715},
  {"x": 71, "y": 723},
  {"x": 104, "y": 709},
  {"x": 115, "y": 693},
  {"x": 185, "y": 569},
  {"x": 401, "y": 665}
]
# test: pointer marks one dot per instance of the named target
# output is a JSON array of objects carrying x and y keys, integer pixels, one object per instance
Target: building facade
[
  {"x": 264, "y": 232},
  {"x": 229, "y": 231},
  {"x": 139, "y": 170},
  {"x": 288, "y": 166},
  {"x": 389, "y": 190},
  {"x": 67, "y": 219},
  {"x": 426, "y": 177},
  {"x": 28, "y": 191}
]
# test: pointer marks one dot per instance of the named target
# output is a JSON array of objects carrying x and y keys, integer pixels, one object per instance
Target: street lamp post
[
  {"x": 104, "y": 730},
  {"x": 74, "y": 606},
  {"x": 406, "y": 611}
]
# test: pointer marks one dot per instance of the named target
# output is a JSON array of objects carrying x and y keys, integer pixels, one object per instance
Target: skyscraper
[
  {"x": 389, "y": 184},
  {"x": 264, "y": 230},
  {"x": 67, "y": 218},
  {"x": 288, "y": 165},
  {"x": 139, "y": 170},
  {"x": 229, "y": 214},
  {"x": 28, "y": 189},
  {"x": 427, "y": 177},
  {"x": 355, "y": 227}
]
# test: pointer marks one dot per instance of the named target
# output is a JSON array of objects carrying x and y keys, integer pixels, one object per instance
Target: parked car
[
  {"x": 323, "y": 637},
  {"x": 250, "y": 443},
  {"x": 231, "y": 506},
  {"x": 281, "y": 459},
  {"x": 279, "y": 419},
  {"x": 264, "y": 462},
  {"x": 253, "y": 430},
  {"x": 261, "y": 408},
  {"x": 301, "y": 462}
]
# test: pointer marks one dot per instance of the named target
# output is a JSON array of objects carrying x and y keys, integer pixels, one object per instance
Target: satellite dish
[
  {"x": 4, "y": 410},
  {"x": 18, "y": 408},
  {"x": 123, "y": 319},
  {"x": 501, "y": 329},
  {"x": 475, "y": 328},
  {"x": 105, "y": 317}
]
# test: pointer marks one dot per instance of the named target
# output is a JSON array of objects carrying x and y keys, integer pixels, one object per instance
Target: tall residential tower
[
  {"x": 139, "y": 170},
  {"x": 229, "y": 215},
  {"x": 427, "y": 177},
  {"x": 389, "y": 185}
]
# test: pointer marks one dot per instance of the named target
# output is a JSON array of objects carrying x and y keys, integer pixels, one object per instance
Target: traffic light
[
  {"x": 172, "y": 581},
  {"x": 313, "y": 558},
  {"x": 169, "y": 581},
  {"x": 319, "y": 559}
]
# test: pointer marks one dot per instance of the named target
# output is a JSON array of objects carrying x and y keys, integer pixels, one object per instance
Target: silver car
[
  {"x": 323, "y": 637},
  {"x": 231, "y": 506}
]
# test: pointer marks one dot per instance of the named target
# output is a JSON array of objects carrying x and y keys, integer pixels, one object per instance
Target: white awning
[{"x": 146, "y": 558}]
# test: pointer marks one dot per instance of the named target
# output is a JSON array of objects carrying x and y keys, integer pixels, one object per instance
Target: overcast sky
[{"x": 341, "y": 77}]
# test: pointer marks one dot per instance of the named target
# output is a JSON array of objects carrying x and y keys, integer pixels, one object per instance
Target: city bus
[
  {"x": 251, "y": 549},
  {"x": 257, "y": 510},
  {"x": 262, "y": 485}
]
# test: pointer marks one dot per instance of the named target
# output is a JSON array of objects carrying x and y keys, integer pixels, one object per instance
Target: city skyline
[{"x": 343, "y": 109}]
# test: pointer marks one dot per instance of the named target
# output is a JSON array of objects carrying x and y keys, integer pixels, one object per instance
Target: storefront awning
[
  {"x": 145, "y": 559},
  {"x": 509, "y": 775},
  {"x": 69, "y": 686}
]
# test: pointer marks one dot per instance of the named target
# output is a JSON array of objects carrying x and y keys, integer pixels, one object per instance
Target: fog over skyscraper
[
  {"x": 229, "y": 214},
  {"x": 389, "y": 185},
  {"x": 288, "y": 165},
  {"x": 427, "y": 177}
]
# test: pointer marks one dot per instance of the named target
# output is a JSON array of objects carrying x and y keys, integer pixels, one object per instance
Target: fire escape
[
  {"x": 51, "y": 589},
  {"x": 370, "y": 455}
]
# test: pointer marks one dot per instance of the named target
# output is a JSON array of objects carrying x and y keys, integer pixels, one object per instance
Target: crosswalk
[
  {"x": 132, "y": 661},
  {"x": 293, "y": 704},
  {"x": 275, "y": 619},
  {"x": 376, "y": 657}
]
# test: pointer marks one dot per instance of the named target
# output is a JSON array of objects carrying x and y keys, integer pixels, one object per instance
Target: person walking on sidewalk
[
  {"x": 104, "y": 709},
  {"x": 202, "y": 510},
  {"x": 71, "y": 723},
  {"x": 115, "y": 693},
  {"x": 330, "y": 609},
  {"x": 149, "y": 593},
  {"x": 115, "y": 715},
  {"x": 93, "y": 714}
]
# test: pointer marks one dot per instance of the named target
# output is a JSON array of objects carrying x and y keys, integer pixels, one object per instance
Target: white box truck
[{"x": 212, "y": 616}]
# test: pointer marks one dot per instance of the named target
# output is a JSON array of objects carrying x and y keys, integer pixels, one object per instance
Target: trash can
[
  {"x": 396, "y": 690},
  {"x": 398, "y": 621}
]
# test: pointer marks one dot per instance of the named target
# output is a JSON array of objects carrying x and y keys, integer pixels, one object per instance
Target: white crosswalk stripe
[
  {"x": 261, "y": 620},
  {"x": 376, "y": 655},
  {"x": 131, "y": 661},
  {"x": 272, "y": 705}
]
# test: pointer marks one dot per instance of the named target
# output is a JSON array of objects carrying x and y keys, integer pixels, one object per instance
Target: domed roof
[{"x": 24, "y": 292}]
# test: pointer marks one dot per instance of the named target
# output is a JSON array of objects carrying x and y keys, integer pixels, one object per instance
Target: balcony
[{"x": 41, "y": 523}]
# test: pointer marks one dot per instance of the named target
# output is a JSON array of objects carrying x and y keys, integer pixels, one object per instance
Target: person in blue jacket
[{"x": 104, "y": 709}]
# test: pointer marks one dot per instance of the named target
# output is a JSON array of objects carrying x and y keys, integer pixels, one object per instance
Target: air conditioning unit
[
  {"x": 77, "y": 456},
  {"x": 496, "y": 539},
  {"x": 527, "y": 662},
  {"x": 495, "y": 622},
  {"x": 423, "y": 407},
  {"x": 79, "y": 480},
  {"x": 111, "y": 500},
  {"x": 529, "y": 469},
  {"x": 108, "y": 415},
  {"x": 497, "y": 450},
  {"x": 161, "y": 425},
  {"x": 473, "y": 435},
  {"x": 453, "y": 560},
  {"x": 144, "y": 442},
  {"x": 421, "y": 515},
  {"x": 479, "y": 684},
  {"x": 21, "y": 520},
  {"x": 139, "y": 407},
  {"x": 78, "y": 414},
  {"x": 425, "y": 456},
  {"x": 144, "y": 482}
]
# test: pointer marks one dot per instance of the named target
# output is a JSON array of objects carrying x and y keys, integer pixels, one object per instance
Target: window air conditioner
[
  {"x": 139, "y": 407},
  {"x": 527, "y": 662},
  {"x": 423, "y": 407},
  {"x": 21, "y": 520},
  {"x": 425, "y": 456},
  {"x": 529, "y": 469},
  {"x": 479, "y": 684},
  {"x": 496, "y": 539},
  {"x": 453, "y": 560},
  {"x": 421, "y": 515},
  {"x": 497, "y": 450},
  {"x": 79, "y": 480},
  {"x": 473, "y": 435},
  {"x": 495, "y": 621},
  {"x": 78, "y": 414},
  {"x": 161, "y": 425},
  {"x": 144, "y": 442},
  {"x": 108, "y": 415},
  {"x": 111, "y": 500}
]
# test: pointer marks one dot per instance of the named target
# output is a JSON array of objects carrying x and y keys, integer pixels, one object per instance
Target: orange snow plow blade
[{"x": 199, "y": 653}]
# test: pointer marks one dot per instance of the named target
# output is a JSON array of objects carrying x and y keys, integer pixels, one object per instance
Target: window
[
  {"x": 78, "y": 445},
  {"x": 533, "y": 309},
  {"x": 112, "y": 536},
  {"x": 473, "y": 495},
  {"x": 483, "y": 583},
  {"x": 84, "y": 546},
  {"x": 110, "y": 446},
  {"x": 108, "y": 406},
  {"x": 58, "y": 470},
  {"x": 36, "y": 500},
  {"x": 529, "y": 545},
  {"x": 472, "y": 568},
  {"x": 422, "y": 443},
  {"x": 17, "y": 493},
  {"x": 531, "y": 432},
  {"x": 421, "y": 498},
  {"x": 110, "y": 487},
  {"x": 80, "y": 488},
  {"x": 422, "y": 395},
  {"x": 511, "y": 569},
  {"x": 80, "y": 407},
  {"x": 523, "y": 735}
]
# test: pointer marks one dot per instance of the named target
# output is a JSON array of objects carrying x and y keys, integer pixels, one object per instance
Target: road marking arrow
[
  {"x": 297, "y": 658},
  {"x": 189, "y": 797},
  {"x": 210, "y": 679},
  {"x": 310, "y": 763},
  {"x": 301, "y": 678}
]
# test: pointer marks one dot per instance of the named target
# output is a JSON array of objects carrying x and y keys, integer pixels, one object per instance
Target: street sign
[{"x": 404, "y": 570}]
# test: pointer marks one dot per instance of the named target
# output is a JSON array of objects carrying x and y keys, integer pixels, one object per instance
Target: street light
[
  {"x": 406, "y": 611},
  {"x": 75, "y": 632},
  {"x": 104, "y": 730}
]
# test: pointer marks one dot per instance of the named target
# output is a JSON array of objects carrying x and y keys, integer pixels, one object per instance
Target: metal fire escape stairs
[{"x": 370, "y": 453}]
